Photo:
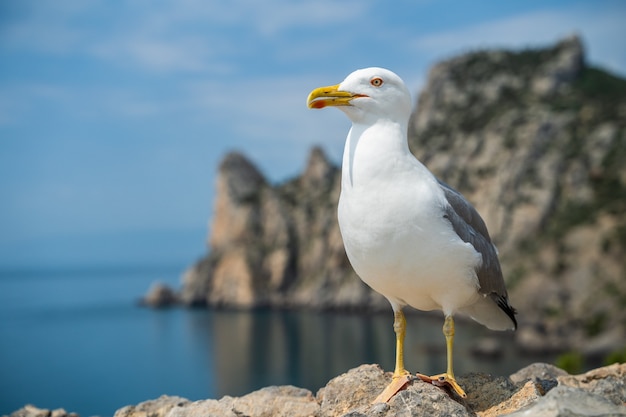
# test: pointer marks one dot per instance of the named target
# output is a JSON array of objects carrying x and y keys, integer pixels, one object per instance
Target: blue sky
[{"x": 114, "y": 114}]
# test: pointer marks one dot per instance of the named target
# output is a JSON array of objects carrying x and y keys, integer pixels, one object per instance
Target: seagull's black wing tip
[{"x": 504, "y": 305}]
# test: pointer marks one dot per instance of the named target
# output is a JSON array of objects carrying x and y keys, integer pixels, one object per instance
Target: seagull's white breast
[{"x": 391, "y": 219}]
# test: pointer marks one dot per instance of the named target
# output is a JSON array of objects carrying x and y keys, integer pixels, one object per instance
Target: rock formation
[
  {"x": 535, "y": 139},
  {"x": 276, "y": 245},
  {"x": 539, "y": 390}
]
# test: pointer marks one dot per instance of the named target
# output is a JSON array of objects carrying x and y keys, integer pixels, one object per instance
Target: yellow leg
[
  {"x": 448, "y": 332},
  {"x": 448, "y": 377},
  {"x": 399, "y": 327},
  {"x": 401, "y": 376}
]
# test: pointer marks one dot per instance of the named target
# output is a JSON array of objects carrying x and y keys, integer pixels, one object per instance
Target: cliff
[
  {"x": 539, "y": 390},
  {"x": 535, "y": 139},
  {"x": 277, "y": 245}
]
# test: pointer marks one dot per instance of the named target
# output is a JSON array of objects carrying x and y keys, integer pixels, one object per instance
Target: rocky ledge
[{"x": 539, "y": 390}]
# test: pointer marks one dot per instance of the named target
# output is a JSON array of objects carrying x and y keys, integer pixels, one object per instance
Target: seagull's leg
[
  {"x": 448, "y": 377},
  {"x": 399, "y": 327},
  {"x": 400, "y": 375}
]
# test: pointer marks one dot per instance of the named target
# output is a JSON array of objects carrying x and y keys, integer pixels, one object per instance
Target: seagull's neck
[{"x": 373, "y": 149}]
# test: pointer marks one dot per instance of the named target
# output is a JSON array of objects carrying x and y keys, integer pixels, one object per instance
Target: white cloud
[{"x": 155, "y": 54}]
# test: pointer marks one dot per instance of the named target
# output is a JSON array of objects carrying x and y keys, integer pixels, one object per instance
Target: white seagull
[{"x": 408, "y": 235}]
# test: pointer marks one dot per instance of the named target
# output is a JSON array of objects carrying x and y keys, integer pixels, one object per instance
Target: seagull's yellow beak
[{"x": 330, "y": 96}]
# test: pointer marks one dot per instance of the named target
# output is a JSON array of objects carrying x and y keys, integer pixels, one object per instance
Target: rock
[
  {"x": 491, "y": 124},
  {"x": 608, "y": 382},
  {"x": 351, "y": 394},
  {"x": 285, "y": 401},
  {"x": 562, "y": 70},
  {"x": 542, "y": 375},
  {"x": 276, "y": 246},
  {"x": 59, "y": 412},
  {"x": 598, "y": 392},
  {"x": 203, "y": 408},
  {"x": 568, "y": 402},
  {"x": 159, "y": 295},
  {"x": 32, "y": 411},
  {"x": 358, "y": 387},
  {"x": 538, "y": 371},
  {"x": 485, "y": 392},
  {"x": 160, "y": 407},
  {"x": 527, "y": 395}
]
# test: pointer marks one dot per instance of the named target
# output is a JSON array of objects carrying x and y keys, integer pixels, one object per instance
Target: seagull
[{"x": 408, "y": 235}]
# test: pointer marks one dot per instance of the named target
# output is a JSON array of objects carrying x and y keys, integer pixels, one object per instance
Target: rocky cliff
[
  {"x": 535, "y": 139},
  {"x": 276, "y": 245},
  {"x": 539, "y": 390}
]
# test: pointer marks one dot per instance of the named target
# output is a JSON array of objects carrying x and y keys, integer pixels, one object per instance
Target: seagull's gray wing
[{"x": 471, "y": 228}]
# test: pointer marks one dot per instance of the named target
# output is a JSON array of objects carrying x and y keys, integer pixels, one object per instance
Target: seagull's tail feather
[{"x": 493, "y": 312}]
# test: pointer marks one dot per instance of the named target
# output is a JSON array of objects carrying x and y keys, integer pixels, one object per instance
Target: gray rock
[
  {"x": 284, "y": 401},
  {"x": 159, "y": 295},
  {"x": 243, "y": 179},
  {"x": 608, "y": 382},
  {"x": 598, "y": 392},
  {"x": 358, "y": 387},
  {"x": 159, "y": 407},
  {"x": 537, "y": 370},
  {"x": 543, "y": 375},
  {"x": 32, "y": 411},
  {"x": 486, "y": 391},
  {"x": 571, "y": 402},
  {"x": 206, "y": 408},
  {"x": 559, "y": 72}
]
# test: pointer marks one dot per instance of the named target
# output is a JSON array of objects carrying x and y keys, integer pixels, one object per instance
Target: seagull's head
[{"x": 366, "y": 95}]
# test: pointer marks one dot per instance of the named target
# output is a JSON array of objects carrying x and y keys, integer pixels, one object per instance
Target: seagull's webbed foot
[
  {"x": 401, "y": 377},
  {"x": 397, "y": 384},
  {"x": 443, "y": 380},
  {"x": 447, "y": 378}
]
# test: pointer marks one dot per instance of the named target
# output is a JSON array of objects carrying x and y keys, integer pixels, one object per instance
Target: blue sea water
[{"x": 76, "y": 339}]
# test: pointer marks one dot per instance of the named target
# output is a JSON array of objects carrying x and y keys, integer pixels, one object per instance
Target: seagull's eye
[{"x": 376, "y": 81}]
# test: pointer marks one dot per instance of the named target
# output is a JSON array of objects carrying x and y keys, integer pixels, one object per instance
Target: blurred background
[{"x": 113, "y": 119}]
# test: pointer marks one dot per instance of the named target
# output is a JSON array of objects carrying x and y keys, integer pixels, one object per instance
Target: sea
[{"x": 76, "y": 338}]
